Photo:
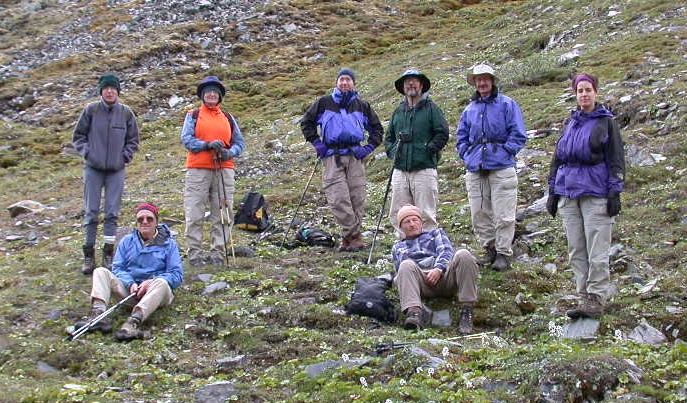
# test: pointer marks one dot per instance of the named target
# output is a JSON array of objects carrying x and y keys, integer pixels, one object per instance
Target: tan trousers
[
  {"x": 203, "y": 186},
  {"x": 588, "y": 229},
  {"x": 419, "y": 188},
  {"x": 105, "y": 284},
  {"x": 344, "y": 185},
  {"x": 460, "y": 277},
  {"x": 493, "y": 197}
]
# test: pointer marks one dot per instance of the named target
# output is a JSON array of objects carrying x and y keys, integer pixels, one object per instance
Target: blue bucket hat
[{"x": 412, "y": 73}]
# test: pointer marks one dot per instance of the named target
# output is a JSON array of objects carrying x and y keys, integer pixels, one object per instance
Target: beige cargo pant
[
  {"x": 344, "y": 186},
  {"x": 419, "y": 188},
  {"x": 203, "y": 186},
  {"x": 105, "y": 285},
  {"x": 493, "y": 197}
]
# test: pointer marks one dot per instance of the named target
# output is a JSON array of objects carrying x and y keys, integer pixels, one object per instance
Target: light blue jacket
[
  {"x": 135, "y": 262},
  {"x": 491, "y": 131}
]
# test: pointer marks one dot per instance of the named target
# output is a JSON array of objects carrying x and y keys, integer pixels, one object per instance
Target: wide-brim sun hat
[
  {"x": 210, "y": 81},
  {"x": 480, "y": 68},
  {"x": 412, "y": 73}
]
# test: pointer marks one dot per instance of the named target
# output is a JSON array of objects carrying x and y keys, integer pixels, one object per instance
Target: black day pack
[
  {"x": 315, "y": 237},
  {"x": 369, "y": 299},
  {"x": 252, "y": 213}
]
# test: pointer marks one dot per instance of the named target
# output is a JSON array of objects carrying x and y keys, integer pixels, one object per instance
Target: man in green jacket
[{"x": 416, "y": 134}]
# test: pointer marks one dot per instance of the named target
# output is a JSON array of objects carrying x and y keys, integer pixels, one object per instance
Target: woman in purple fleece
[{"x": 585, "y": 181}]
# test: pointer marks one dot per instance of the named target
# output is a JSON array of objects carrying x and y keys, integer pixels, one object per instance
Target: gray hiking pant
[
  {"x": 493, "y": 197},
  {"x": 105, "y": 285},
  {"x": 344, "y": 185},
  {"x": 588, "y": 229},
  {"x": 203, "y": 186},
  {"x": 95, "y": 181},
  {"x": 460, "y": 277}
]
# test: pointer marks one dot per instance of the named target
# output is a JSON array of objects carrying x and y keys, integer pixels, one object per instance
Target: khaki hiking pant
[
  {"x": 588, "y": 229},
  {"x": 343, "y": 183},
  {"x": 460, "y": 277},
  {"x": 203, "y": 186},
  {"x": 105, "y": 285},
  {"x": 493, "y": 197},
  {"x": 419, "y": 188}
]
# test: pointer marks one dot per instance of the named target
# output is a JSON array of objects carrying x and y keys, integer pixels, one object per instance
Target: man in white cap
[
  {"x": 427, "y": 267},
  {"x": 491, "y": 131},
  {"x": 416, "y": 134}
]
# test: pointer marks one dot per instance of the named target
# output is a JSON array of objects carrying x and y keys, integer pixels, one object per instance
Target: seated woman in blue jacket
[{"x": 147, "y": 262}]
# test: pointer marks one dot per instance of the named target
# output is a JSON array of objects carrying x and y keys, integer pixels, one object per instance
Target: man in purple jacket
[{"x": 490, "y": 133}]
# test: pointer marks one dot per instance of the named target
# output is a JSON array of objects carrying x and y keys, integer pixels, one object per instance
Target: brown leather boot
[
  {"x": 465, "y": 322},
  {"x": 589, "y": 307},
  {"x": 416, "y": 318},
  {"x": 88, "y": 260}
]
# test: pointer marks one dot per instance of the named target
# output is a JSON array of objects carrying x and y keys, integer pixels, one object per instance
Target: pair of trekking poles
[
  {"x": 379, "y": 218},
  {"x": 224, "y": 208}
]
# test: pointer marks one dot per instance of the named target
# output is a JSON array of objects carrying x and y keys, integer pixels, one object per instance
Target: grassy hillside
[{"x": 282, "y": 309}]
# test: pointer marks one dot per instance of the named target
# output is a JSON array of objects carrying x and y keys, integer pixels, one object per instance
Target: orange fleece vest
[{"x": 211, "y": 124}]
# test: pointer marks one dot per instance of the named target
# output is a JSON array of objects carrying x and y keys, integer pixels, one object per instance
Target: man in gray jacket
[{"x": 106, "y": 136}]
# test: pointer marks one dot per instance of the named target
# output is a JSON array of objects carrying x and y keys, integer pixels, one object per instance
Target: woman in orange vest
[{"x": 213, "y": 139}]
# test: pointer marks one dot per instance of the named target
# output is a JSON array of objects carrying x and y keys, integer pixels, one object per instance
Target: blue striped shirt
[{"x": 430, "y": 249}]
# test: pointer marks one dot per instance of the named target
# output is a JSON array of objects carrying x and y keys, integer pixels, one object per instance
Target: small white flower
[
  {"x": 345, "y": 357},
  {"x": 363, "y": 381},
  {"x": 402, "y": 382},
  {"x": 445, "y": 351},
  {"x": 430, "y": 371},
  {"x": 388, "y": 401},
  {"x": 418, "y": 370},
  {"x": 618, "y": 334}
]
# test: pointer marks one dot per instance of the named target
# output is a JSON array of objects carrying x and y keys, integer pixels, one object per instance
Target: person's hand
[
  {"x": 361, "y": 152},
  {"x": 216, "y": 145},
  {"x": 143, "y": 288},
  {"x": 613, "y": 204},
  {"x": 552, "y": 203},
  {"x": 433, "y": 276},
  {"x": 225, "y": 154},
  {"x": 320, "y": 148},
  {"x": 133, "y": 288}
]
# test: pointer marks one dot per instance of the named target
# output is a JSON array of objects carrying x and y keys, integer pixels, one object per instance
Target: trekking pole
[
  {"x": 381, "y": 211},
  {"x": 224, "y": 212},
  {"x": 85, "y": 328},
  {"x": 286, "y": 233}
]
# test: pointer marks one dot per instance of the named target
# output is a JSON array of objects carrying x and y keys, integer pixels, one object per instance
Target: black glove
[
  {"x": 225, "y": 154},
  {"x": 552, "y": 203},
  {"x": 613, "y": 204},
  {"x": 216, "y": 145}
]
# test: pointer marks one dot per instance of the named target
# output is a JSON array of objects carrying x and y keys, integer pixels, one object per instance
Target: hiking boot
[
  {"x": 488, "y": 256},
  {"x": 108, "y": 255},
  {"x": 130, "y": 330},
  {"x": 88, "y": 260},
  {"x": 356, "y": 243},
  {"x": 501, "y": 263},
  {"x": 104, "y": 325},
  {"x": 589, "y": 307},
  {"x": 465, "y": 323},
  {"x": 416, "y": 318},
  {"x": 344, "y": 244}
]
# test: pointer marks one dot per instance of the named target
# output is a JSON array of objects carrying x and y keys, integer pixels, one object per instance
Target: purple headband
[{"x": 584, "y": 77}]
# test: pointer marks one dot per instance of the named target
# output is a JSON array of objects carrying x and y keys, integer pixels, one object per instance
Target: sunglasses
[{"x": 143, "y": 219}]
